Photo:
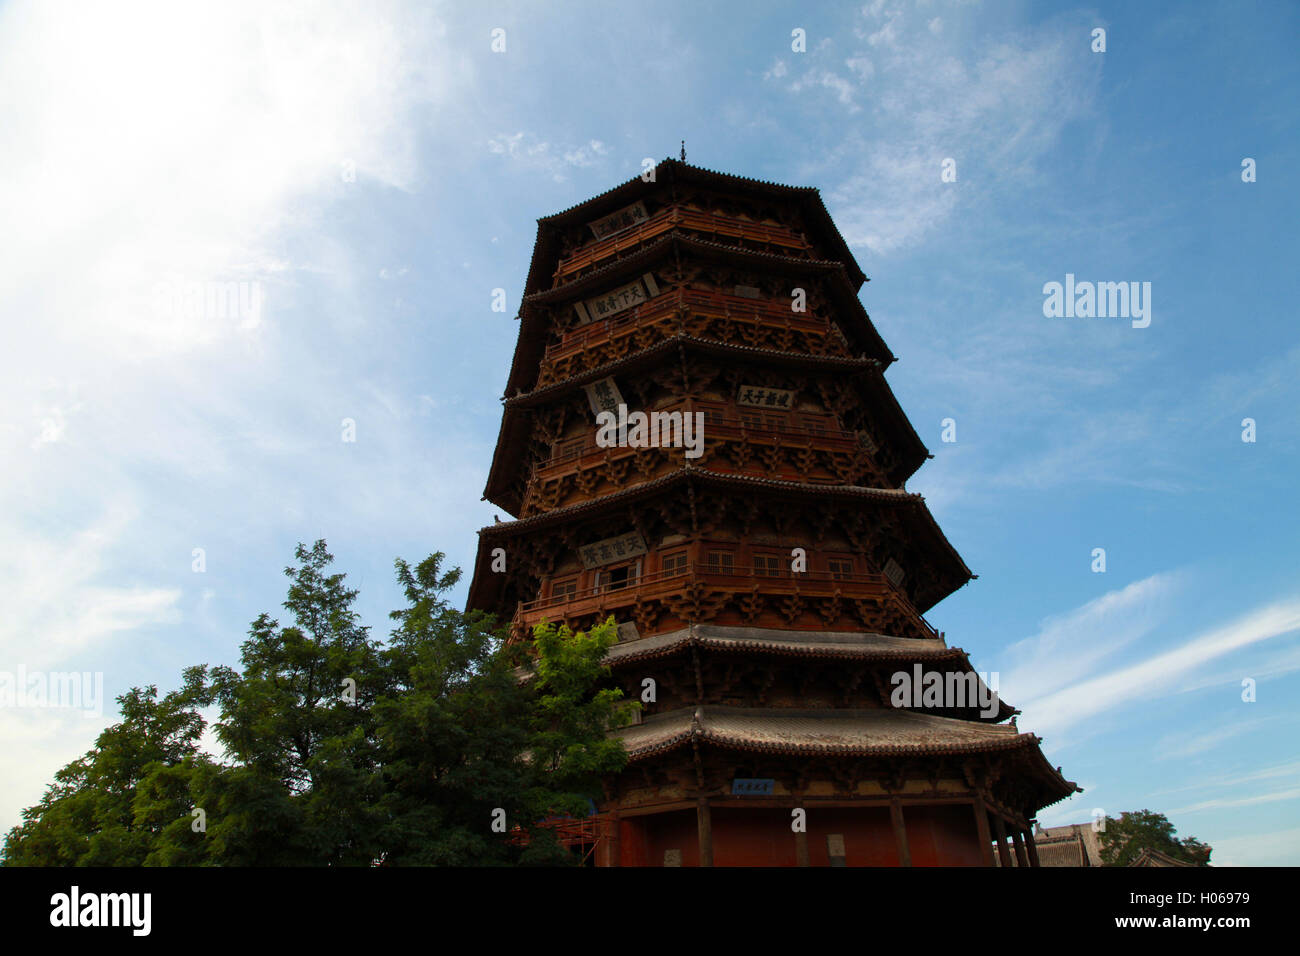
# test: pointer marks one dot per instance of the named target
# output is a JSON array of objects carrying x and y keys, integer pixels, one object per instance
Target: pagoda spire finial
[{"x": 683, "y": 151}]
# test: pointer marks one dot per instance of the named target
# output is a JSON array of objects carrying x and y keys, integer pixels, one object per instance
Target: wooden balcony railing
[
  {"x": 737, "y": 308},
  {"x": 711, "y": 223},
  {"x": 618, "y": 598},
  {"x": 726, "y": 428}
]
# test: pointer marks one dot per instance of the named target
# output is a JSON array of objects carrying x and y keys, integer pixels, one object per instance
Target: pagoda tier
[
  {"x": 766, "y": 566},
  {"x": 847, "y": 427},
  {"x": 713, "y": 546}
]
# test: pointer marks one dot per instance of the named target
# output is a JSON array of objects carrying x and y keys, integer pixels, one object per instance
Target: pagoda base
[{"x": 744, "y": 832}]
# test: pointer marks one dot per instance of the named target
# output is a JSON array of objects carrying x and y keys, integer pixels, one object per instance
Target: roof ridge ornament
[{"x": 683, "y": 151}]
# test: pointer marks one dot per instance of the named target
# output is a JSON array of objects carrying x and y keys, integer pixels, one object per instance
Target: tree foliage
[
  {"x": 342, "y": 750},
  {"x": 1125, "y": 837}
]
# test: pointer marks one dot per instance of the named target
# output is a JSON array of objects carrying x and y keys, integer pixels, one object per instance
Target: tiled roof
[
  {"x": 868, "y": 373},
  {"x": 851, "y": 316},
  {"x": 660, "y": 247},
  {"x": 704, "y": 476},
  {"x": 866, "y": 732},
  {"x": 1072, "y": 845},
  {"x": 840, "y": 363},
  {"x": 1150, "y": 857},
  {"x": 943, "y": 581},
  {"x": 669, "y": 170},
  {"x": 842, "y": 645},
  {"x": 847, "y": 644}
]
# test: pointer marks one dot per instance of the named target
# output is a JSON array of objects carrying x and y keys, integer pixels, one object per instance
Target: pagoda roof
[
  {"x": 929, "y": 533},
  {"x": 667, "y": 172},
  {"x": 1153, "y": 857},
  {"x": 852, "y": 317},
  {"x": 871, "y": 732},
  {"x": 856, "y": 644},
  {"x": 821, "y": 645},
  {"x": 836, "y": 363},
  {"x": 513, "y": 432}
]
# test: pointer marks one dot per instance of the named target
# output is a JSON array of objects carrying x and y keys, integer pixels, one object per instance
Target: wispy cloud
[
  {"x": 1074, "y": 643},
  {"x": 1220, "y": 803},
  {"x": 1270, "y": 848},
  {"x": 933, "y": 95},
  {"x": 530, "y": 152},
  {"x": 1161, "y": 673},
  {"x": 1180, "y": 746},
  {"x": 160, "y": 146}
]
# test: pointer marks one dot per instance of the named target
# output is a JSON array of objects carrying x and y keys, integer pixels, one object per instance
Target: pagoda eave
[
  {"x": 950, "y": 566},
  {"x": 867, "y": 372},
  {"x": 670, "y": 170},
  {"x": 856, "y": 323}
]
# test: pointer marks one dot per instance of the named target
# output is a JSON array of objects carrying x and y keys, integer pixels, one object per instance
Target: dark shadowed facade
[{"x": 756, "y": 543}]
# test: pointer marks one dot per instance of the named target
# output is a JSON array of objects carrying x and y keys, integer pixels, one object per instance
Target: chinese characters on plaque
[
  {"x": 749, "y": 785},
  {"x": 611, "y": 550},
  {"x": 603, "y": 396},
  {"x": 753, "y": 396},
  {"x": 618, "y": 221},
  {"x": 617, "y": 300},
  {"x": 894, "y": 572}
]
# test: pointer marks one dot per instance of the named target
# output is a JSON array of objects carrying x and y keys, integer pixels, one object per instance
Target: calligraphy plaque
[
  {"x": 624, "y": 218},
  {"x": 612, "y": 550},
  {"x": 894, "y": 571},
  {"x": 754, "y": 396},
  {"x": 617, "y": 300},
  {"x": 604, "y": 396}
]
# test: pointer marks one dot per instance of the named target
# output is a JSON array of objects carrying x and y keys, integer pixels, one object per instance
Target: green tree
[
  {"x": 1125, "y": 837},
  {"x": 342, "y": 751},
  {"x": 570, "y": 750},
  {"x": 298, "y": 721},
  {"x": 452, "y": 726},
  {"x": 88, "y": 816}
]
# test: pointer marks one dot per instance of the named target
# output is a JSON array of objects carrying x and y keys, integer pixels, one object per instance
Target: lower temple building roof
[{"x": 880, "y": 731}]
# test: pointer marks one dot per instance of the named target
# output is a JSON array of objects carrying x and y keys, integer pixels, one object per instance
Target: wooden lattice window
[
  {"x": 840, "y": 567},
  {"x": 767, "y": 565},
  {"x": 674, "y": 563},
  {"x": 722, "y": 562},
  {"x": 563, "y": 588}
]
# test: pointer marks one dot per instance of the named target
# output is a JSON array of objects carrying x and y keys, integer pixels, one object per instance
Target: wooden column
[
  {"x": 801, "y": 845},
  {"x": 801, "y": 857},
  {"x": 1000, "y": 829},
  {"x": 1018, "y": 836},
  {"x": 900, "y": 832},
  {"x": 615, "y": 840},
  {"x": 704, "y": 818},
  {"x": 982, "y": 829},
  {"x": 1031, "y": 846}
]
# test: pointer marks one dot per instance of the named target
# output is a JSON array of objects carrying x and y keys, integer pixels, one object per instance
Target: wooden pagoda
[{"x": 766, "y": 583}]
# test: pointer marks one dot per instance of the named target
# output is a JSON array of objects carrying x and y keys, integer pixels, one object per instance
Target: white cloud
[
  {"x": 1072, "y": 644},
  {"x": 935, "y": 93},
  {"x": 1159, "y": 674},
  {"x": 1219, "y": 803},
  {"x": 1270, "y": 848},
  {"x": 533, "y": 153},
  {"x": 144, "y": 145},
  {"x": 1182, "y": 746}
]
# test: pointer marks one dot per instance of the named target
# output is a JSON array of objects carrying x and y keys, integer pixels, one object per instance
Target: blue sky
[{"x": 149, "y": 148}]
